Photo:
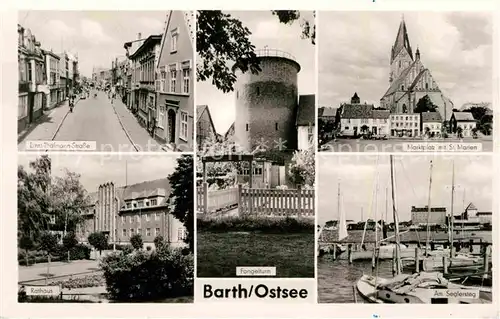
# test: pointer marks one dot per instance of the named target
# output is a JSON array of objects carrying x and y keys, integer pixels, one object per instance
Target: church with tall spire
[{"x": 410, "y": 80}]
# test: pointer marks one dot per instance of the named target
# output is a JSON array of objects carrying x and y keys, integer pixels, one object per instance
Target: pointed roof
[
  {"x": 471, "y": 206},
  {"x": 402, "y": 42}
]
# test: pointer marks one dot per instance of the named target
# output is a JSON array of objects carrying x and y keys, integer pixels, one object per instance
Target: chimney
[{"x": 139, "y": 36}]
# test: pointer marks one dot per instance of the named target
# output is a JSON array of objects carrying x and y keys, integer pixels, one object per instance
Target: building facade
[
  {"x": 143, "y": 208},
  {"x": 175, "y": 84},
  {"x": 420, "y": 215},
  {"x": 306, "y": 121},
  {"x": 357, "y": 119},
  {"x": 32, "y": 78},
  {"x": 432, "y": 123},
  {"x": 52, "y": 68},
  {"x": 410, "y": 80},
  {"x": 405, "y": 124},
  {"x": 205, "y": 129},
  {"x": 143, "y": 78},
  {"x": 463, "y": 120}
]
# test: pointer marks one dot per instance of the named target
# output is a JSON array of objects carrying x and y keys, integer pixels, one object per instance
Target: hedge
[
  {"x": 79, "y": 252},
  {"x": 148, "y": 276},
  {"x": 261, "y": 224}
]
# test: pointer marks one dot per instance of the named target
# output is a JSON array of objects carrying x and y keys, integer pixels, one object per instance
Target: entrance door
[
  {"x": 171, "y": 126},
  {"x": 355, "y": 131},
  {"x": 374, "y": 130}
]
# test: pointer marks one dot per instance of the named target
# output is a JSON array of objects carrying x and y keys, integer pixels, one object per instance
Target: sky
[
  {"x": 359, "y": 180},
  {"x": 99, "y": 169},
  {"x": 266, "y": 31},
  {"x": 355, "y": 57},
  {"x": 96, "y": 36}
]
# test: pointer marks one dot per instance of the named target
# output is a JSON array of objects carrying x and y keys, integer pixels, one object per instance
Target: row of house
[
  {"x": 355, "y": 119},
  {"x": 141, "y": 208},
  {"x": 45, "y": 78},
  {"x": 155, "y": 79}
]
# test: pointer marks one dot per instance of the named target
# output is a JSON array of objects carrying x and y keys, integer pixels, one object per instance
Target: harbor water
[{"x": 337, "y": 278}]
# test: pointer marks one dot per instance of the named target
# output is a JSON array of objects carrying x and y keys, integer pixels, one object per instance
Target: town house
[
  {"x": 175, "y": 98},
  {"x": 463, "y": 120},
  {"x": 405, "y": 124},
  {"x": 432, "y": 123},
  {"x": 53, "y": 79}
]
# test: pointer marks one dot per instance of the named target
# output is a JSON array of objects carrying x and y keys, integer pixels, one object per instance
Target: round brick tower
[{"x": 266, "y": 103}]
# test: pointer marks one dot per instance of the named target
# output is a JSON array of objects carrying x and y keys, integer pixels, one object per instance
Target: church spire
[{"x": 402, "y": 41}]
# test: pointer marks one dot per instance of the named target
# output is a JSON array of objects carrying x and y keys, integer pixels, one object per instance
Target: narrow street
[{"x": 111, "y": 126}]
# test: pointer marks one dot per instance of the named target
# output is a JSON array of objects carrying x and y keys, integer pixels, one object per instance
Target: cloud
[
  {"x": 270, "y": 29},
  {"x": 93, "y": 32},
  {"x": 455, "y": 47},
  {"x": 58, "y": 28},
  {"x": 151, "y": 24}
]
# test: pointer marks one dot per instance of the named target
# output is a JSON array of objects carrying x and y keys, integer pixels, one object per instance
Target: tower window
[
  {"x": 276, "y": 125},
  {"x": 237, "y": 94},
  {"x": 399, "y": 63},
  {"x": 402, "y": 87},
  {"x": 426, "y": 86},
  {"x": 258, "y": 91},
  {"x": 247, "y": 127}
]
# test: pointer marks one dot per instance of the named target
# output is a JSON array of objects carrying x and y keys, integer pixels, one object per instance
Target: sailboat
[
  {"x": 341, "y": 232},
  {"x": 420, "y": 287}
]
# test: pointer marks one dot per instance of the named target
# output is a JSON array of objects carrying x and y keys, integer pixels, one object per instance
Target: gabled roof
[
  {"x": 428, "y": 117},
  {"x": 463, "y": 116},
  {"x": 200, "y": 109},
  {"x": 306, "y": 113},
  {"x": 329, "y": 111},
  {"x": 229, "y": 131},
  {"x": 357, "y": 111},
  {"x": 471, "y": 206}
]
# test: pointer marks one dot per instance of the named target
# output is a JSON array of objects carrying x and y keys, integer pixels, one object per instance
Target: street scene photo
[
  {"x": 93, "y": 81},
  {"x": 255, "y": 143},
  {"x": 405, "y": 82},
  {"x": 105, "y": 228},
  {"x": 405, "y": 229}
]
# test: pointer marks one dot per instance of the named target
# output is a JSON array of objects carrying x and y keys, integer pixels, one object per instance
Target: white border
[{"x": 8, "y": 286}]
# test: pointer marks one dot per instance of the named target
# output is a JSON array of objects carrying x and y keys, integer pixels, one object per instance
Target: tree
[
  {"x": 425, "y": 105},
  {"x": 474, "y": 132},
  {"x": 182, "y": 198},
  {"x": 33, "y": 198},
  {"x": 302, "y": 167},
  {"x": 48, "y": 243},
  {"x": 427, "y": 131},
  {"x": 222, "y": 40},
  {"x": 69, "y": 241},
  {"x": 459, "y": 132},
  {"x": 69, "y": 200},
  {"x": 136, "y": 241},
  {"x": 26, "y": 243},
  {"x": 159, "y": 241},
  {"x": 99, "y": 241}
]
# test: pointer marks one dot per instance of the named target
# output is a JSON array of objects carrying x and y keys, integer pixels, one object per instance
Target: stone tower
[{"x": 266, "y": 103}]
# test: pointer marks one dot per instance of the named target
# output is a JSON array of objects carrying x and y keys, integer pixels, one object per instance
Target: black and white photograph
[
  {"x": 255, "y": 92},
  {"x": 105, "y": 228},
  {"x": 96, "y": 81},
  {"x": 405, "y": 81},
  {"x": 405, "y": 229}
]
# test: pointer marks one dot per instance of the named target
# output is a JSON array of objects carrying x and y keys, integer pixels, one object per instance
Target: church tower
[{"x": 401, "y": 53}]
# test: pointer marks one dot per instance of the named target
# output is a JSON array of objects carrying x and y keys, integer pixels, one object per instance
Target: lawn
[{"x": 219, "y": 253}]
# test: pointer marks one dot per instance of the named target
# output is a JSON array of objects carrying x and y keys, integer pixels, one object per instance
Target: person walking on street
[{"x": 153, "y": 126}]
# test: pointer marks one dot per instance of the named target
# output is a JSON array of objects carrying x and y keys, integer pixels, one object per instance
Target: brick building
[
  {"x": 267, "y": 103},
  {"x": 141, "y": 208},
  {"x": 419, "y": 215}
]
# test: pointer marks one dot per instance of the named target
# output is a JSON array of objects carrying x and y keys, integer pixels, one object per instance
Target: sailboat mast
[
  {"x": 394, "y": 216},
  {"x": 463, "y": 212},
  {"x": 428, "y": 233},
  {"x": 451, "y": 210}
]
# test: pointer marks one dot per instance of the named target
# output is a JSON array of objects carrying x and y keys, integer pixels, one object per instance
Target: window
[
  {"x": 154, "y": 202},
  {"x": 181, "y": 234},
  {"x": 258, "y": 91},
  {"x": 237, "y": 94},
  {"x": 22, "y": 107},
  {"x": 135, "y": 205},
  {"x": 147, "y": 203},
  {"x": 123, "y": 219},
  {"x": 140, "y": 204},
  {"x": 131, "y": 232},
  {"x": 347, "y": 127},
  {"x": 185, "y": 81},
  {"x": 247, "y": 127},
  {"x": 139, "y": 231},
  {"x": 30, "y": 70},
  {"x": 402, "y": 87},
  {"x": 426, "y": 86},
  {"x": 173, "y": 40},
  {"x": 163, "y": 80},
  {"x": 148, "y": 231},
  {"x": 310, "y": 133},
  {"x": 148, "y": 217},
  {"x": 276, "y": 126},
  {"x": 130, "y": 219},
  {"x": 138, "y": 218},
  {"x": 161, "y": 116},
  {"x": 124, "y": 233},
  {"x": 173, "y": 80},
  {"x": 399, "y": 63},
  {"x": 157, "y": 231},
  {"x": 258, "y": 171},
  {"x": 184, "y": 125}
]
